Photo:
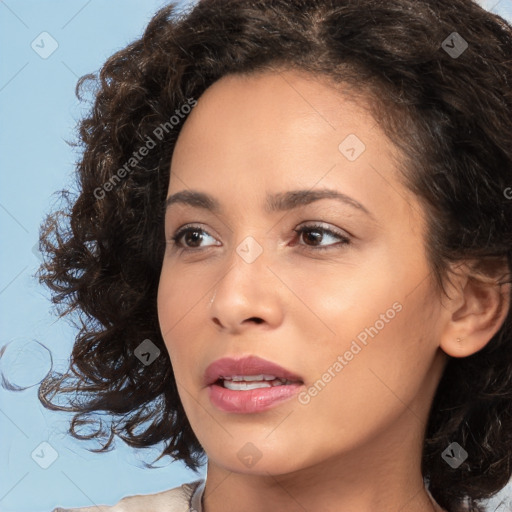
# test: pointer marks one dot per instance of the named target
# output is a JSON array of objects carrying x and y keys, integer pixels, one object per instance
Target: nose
[{"x": 248, "y": 295}]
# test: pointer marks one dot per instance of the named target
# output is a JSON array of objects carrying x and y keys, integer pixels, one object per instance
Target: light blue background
[{"x": 38, "y": 113}]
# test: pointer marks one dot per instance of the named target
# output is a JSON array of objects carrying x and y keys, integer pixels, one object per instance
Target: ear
[{"x": 476, "y": 308}]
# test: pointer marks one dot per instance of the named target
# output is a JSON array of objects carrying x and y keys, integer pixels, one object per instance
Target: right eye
[{"x": 191, "y": 237}]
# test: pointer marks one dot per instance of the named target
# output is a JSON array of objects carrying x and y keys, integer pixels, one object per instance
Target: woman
[{"x": 291, "y": 254}]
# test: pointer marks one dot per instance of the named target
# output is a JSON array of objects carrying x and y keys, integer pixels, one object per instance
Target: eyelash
[{"x": 343, "y": 239}]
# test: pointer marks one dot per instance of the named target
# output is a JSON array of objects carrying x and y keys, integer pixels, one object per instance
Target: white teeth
[
  {"x": 250, "y": 378},
  {"x": 238, "y": 383},
  {"x": 241, "y": 386}
]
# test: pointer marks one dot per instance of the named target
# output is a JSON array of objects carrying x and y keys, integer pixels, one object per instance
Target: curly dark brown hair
[{"x": 447, "y": 107}]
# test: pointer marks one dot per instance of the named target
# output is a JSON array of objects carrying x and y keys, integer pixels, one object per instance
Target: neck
[{"x": 366, "y": 479}]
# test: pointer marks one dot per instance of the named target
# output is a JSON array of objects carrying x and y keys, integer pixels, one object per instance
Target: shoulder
[{"x": 179, "y": 499}]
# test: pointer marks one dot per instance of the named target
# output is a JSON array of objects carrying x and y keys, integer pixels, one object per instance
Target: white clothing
[{"x": 186, "y": 498}]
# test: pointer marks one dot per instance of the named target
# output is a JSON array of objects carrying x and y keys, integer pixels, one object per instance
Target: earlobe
[{"x": 476, "y": 311}]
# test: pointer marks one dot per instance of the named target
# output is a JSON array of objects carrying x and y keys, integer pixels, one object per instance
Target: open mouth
[{"x": 248, "y": 382}]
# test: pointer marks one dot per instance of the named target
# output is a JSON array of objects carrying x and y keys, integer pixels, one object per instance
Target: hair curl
[{"x": 451, "y": 119}]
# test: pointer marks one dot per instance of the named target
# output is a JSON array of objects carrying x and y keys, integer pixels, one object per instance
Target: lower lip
[{"x": 251, "y": 400}]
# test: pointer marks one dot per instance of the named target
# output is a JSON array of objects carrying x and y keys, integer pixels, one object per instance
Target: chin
[
  {"x": 275, "y": 467},
  {"x": 239, "y": 455}
]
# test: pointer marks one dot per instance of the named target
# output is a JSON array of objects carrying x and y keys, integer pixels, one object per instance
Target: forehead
[
  {"x": 273, "y": 100},
  {"x": 285, "y": 116},
  {"x": 250, "y": 135}
]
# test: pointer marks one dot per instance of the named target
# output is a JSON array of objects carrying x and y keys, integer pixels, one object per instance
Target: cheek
[
  {"x": 379, "y": 360},
  {"x": 342, "y": 304},
  {"x": 177, "y": 303},
  {"x": 383, "y": 326}
]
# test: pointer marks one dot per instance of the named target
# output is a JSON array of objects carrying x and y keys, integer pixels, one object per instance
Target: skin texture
[{"x": 356, "y": 444}]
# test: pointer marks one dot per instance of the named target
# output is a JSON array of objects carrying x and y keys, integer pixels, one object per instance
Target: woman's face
[{"x": 313, "y": 253}]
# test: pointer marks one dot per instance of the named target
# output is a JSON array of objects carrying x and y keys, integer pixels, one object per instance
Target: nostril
[{"x": 255, "y": 319}]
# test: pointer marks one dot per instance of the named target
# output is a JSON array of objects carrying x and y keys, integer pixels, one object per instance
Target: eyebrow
[{"x": 282, "y": 201}]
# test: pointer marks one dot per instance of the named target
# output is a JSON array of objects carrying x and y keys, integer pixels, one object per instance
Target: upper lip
[{"x": 251, "y": 365}]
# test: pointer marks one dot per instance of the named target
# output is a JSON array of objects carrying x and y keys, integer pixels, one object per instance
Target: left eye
[{"x": 314, "y": 235}]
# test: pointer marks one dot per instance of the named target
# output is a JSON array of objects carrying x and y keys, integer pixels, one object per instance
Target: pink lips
[{"x": 250, "y": 400}]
